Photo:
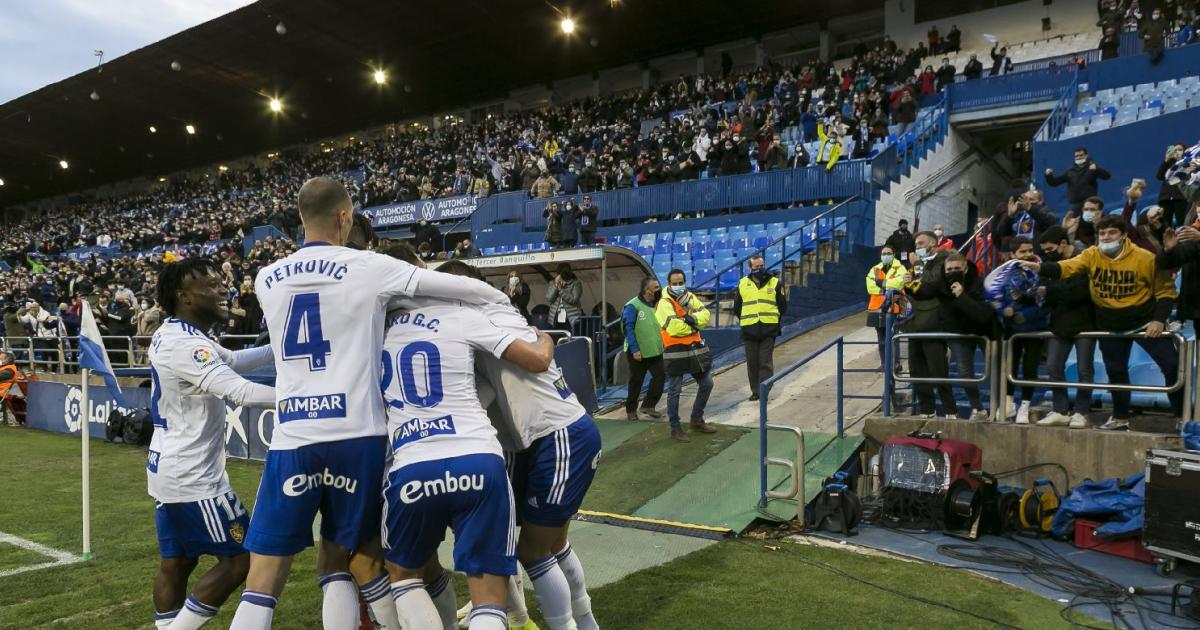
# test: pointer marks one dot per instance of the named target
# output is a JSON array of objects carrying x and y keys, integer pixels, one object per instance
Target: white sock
[
  {"x": 163, "y": 620},
  {"x": 581, "y": 604},
  {"x": 445, "y": 600},
  {"x": 339, "y": 606},
  {"x": 414, "y": 608},
  {"x": 518, "y": 612},
  {"x": 255, "y": 611},
  {"x": 488, "y": 618},
  {"x": 552, "y": 592},
  {"x": 378, "y": 594},
  {"x": 193, "y": 615}
]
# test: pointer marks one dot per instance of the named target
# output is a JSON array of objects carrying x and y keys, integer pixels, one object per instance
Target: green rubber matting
[
  {"x": 595, "y": 543},
  {"x": 614, "y": 433},
  {"x": 723, "y": 491}
]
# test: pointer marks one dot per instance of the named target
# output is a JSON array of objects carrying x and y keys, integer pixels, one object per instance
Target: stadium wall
[
  {"x": 1128, "y": 151},
  {"x": 1020, "y": 22}
]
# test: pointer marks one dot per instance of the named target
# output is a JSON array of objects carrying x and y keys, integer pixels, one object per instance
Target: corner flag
[{"x": 92, "y": 355}]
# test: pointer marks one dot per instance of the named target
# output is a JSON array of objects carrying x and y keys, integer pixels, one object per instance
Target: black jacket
[
  {"x": 973, "y": 69},
  {"x": 1080, "y": 181},
  {"x": 902, "y": 243},
  {"x": 1185, "y": 256},
  {"x": 756, "y": 332},
  {"x": 945, "y": 76},
  {"x": 936, "y": 309},
  {"x": 1070, "y": 303},
  {"x": 1168, "y": 192}
]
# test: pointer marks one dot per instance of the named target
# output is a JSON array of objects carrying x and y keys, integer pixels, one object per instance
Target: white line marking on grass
[{"x": 60, "y": 557}]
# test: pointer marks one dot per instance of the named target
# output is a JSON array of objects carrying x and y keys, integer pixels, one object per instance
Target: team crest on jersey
[
  {"x": 560, "y": 384},
  {"x": 203, "y": 357},
  {"x": 237, "y": 532}
]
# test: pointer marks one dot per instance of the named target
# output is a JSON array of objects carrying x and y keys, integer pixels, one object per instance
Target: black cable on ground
[
  {"x": 1048, "y": 568},
  {"x": 1017, "y": 471},
  {"x": 916, "y": 598}
]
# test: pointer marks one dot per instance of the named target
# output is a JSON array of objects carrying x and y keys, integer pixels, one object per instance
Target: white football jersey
[
  {"x": 324, "y": 307},
  {"x": 186, "y": 461},
  {"x": 428, "y": 381},
  {"x": 528, "y": 406}
]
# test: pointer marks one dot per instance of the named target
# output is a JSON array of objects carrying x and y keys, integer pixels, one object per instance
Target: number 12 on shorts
[{"x": 302, "y": 337}]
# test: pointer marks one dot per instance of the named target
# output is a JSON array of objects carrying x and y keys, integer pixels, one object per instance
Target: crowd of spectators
[{"x": 1089, "y": 272}]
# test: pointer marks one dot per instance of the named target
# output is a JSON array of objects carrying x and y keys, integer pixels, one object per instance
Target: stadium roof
[{"x": 448, "y": 53}]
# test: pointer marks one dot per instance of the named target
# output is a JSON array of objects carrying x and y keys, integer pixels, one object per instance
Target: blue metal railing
[
  {"x": 1011, "y": 89},
  {"x": 1061, "y": 115},
  {"x": 764, "y": 392}
]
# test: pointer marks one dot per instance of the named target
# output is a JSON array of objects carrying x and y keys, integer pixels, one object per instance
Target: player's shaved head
[{"x": 326, "y": 211}]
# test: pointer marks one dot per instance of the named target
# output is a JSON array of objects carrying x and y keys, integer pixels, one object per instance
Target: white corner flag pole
[{"x": 85, "y": 430}]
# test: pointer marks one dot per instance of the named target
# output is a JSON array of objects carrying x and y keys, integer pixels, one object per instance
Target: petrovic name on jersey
[{"x": 335, "y": 270}]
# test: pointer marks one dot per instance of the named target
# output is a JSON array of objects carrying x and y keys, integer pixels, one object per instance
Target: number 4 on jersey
[{"x": 302, "y": 338}]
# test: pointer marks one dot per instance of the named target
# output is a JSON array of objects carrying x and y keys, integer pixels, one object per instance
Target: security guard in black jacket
[{"x": 760, "y": 304}]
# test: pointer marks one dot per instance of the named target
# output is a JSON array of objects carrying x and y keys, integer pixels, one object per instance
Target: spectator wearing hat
[{"x": 901, "y": 241}]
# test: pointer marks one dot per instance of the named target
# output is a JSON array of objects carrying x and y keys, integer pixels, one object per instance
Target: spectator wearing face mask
[
  {"x": 775, "y": 157},
  {"x": 1153, "y": 34},
  {"x": 589, "y": 177},
  {"x": 681, "y": 316},
  {"x": 943, "y": 241},
  {"x": 760, "y": 303},
  {"x": 831, "y": 146},
  {"x": 569, "y": 220},
  {"x": 906, "y": 112},
  {"x": 568, "y": 181},
  {"x": 1129, "y": 292},
  {"x": 926, "y": 287},
  {"x": 623, "y": 177},
  {"x": 1018, "y": 299},
  {"x": 517, "y": 291},
  {"x": 644, "y": 347},
  {"x": 888, "y": 274},
  {"x": 1081, "y": 179},
  {"x": 1081, "y": 226},
  {"x": 927, "y": 82},
  {"x": 800, "y": 157},
  {"x": 1071, "y": 313},
  {"x": 465, "y": 249}
]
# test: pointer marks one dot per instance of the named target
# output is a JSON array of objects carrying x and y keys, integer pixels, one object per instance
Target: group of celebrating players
[{"x": 407, "y": 401}]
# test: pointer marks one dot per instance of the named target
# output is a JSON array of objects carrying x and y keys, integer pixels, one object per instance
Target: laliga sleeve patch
[{"x": 203, "y": 357}]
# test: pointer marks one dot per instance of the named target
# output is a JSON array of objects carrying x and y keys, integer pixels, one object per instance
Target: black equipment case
[{"x": 1172, "y": 516}]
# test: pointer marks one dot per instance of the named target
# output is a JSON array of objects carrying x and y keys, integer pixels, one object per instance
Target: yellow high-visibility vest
[{"x": 758, "y": 303}]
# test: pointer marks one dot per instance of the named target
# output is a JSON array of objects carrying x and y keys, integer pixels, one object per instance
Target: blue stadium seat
[
  {"x": 702, "y": 249},
  {"x": 761, "y": 241},
  {"x": 645, "y": 250},
  {"x": 703, "y": 272},
  {"x": 740, "y": 241},
  {"x": 794, "y": 225},
  {"x": 662, "y": 247},
  {"x": 721, "y": 243},
  {"x": 682, "y": 244},
  {"x": 729, "y": 279},
  {"x": 489, "y": 251},
  {"x": 772, "y": 227},
  {"x": 718, "y": 231},
  {"x": 699, "y": 234}
]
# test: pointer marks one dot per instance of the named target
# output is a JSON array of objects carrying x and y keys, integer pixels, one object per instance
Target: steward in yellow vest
[{"x": 760, "y": 304}]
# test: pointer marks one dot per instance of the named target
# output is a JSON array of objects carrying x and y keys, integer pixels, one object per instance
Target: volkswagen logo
[{"x": 427, "y": 210}]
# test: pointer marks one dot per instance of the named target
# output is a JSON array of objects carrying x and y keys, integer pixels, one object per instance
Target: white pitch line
[{"x": 60, "y": 558}]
